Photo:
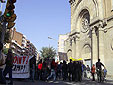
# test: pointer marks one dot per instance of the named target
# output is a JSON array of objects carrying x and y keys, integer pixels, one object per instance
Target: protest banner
[{"x": 21, "y": 67}]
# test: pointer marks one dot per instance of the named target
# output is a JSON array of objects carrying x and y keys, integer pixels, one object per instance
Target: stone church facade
[{"x": 91, "y": 36}]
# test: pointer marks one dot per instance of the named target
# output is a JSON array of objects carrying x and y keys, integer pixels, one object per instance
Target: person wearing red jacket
[
  {"x": 93, "y": 72},
  {"x": 40, "y": 70}
]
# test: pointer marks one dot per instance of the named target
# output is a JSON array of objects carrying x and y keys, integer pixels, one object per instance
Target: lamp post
[
  {"x": 51, "y": 39},
  {"x": 49, "y": 45},
  {"x": 3, "y": 27}
]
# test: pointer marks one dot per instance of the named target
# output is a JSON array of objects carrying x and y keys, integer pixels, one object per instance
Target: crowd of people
[
  {"x": 72, "y": 71},
  {"x": 46, "y": 70}
]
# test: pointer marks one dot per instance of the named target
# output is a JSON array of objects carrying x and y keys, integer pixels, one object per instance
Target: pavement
[{"x": 85, "y": 81}]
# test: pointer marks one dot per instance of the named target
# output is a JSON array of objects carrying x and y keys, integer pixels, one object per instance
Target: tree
[
  {"x": 5, "y": 51},
  {"x": 48, "y": 52}
]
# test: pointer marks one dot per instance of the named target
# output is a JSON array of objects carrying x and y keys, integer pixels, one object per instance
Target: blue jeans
[
  {"x": 33, "y": 74},
  {"x": 52, "y": 74}
]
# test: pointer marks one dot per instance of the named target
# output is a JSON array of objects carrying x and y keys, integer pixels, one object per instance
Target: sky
[{"x": 40, "y": 19}]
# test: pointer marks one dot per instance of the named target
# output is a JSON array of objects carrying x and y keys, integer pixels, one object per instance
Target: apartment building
[{"x": 21, "y": 45}]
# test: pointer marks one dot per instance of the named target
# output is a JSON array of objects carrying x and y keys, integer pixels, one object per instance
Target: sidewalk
[
  {"x": 109, "y": 78},
  {"x": 108, "y": 81}
]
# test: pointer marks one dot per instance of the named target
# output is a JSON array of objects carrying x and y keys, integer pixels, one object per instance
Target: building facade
[
  {"x": 91, "y": 36},
  {"x": 16, "y": 42},
  {"x": 62, "y": 55},
  {"x": 61, "y": 42},
  {"x": 20, "y": 45}
]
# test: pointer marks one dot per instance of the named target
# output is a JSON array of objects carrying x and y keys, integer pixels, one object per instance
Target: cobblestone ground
[{"x": 59, "y": 82}]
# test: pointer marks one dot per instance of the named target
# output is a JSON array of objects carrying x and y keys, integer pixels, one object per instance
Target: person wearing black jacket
[
  {"x": 79, "y": 67},
  {"x": 9, "y": 65},
  {"x": 99, "y": 69},
  {"x": 64, "y": 70},
  {"x": 70, "y": 69},
  {"x": 74, "y": 71},
  {"x": 32, "y": 67}
]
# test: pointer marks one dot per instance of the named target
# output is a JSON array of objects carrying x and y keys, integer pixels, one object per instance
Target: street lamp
[
  {"x": 54, "y": 40},
  {"x": 51, "y": 38}
]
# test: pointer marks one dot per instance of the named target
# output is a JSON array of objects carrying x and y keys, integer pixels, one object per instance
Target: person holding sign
[{"x": 9, "y": 65}]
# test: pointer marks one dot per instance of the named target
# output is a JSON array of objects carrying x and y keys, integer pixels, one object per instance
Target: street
[
  {"x": 84, "y": 82},
  {"x": 69, "y": 40}
]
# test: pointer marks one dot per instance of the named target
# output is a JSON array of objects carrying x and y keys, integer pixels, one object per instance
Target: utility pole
[
  {"x": 3, "y": 26},
  {"x": 7, "y": 18}
]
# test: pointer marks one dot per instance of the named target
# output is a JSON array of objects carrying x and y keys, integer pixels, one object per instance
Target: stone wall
[{"x": 96, "y": 40}]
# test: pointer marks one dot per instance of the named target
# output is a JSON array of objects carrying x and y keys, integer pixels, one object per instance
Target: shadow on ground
[{"x": 84, "y": 82}]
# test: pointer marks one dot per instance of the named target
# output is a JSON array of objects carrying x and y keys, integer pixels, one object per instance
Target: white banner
[{"x": 21, "y": 67}]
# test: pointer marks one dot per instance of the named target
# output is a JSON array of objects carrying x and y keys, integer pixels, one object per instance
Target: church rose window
[{"x": 85, "y": 22}]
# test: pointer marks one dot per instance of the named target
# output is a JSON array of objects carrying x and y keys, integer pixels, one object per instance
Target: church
[{"x": 91, "y": 36}]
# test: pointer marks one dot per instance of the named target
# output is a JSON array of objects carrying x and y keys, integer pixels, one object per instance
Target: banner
[
  {"x": 80, "y": 59},
  {"x": 21, "y": 67}
]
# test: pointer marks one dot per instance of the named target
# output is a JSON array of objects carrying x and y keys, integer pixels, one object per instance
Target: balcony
[
  {"x": 12, "y": 46},
  {"x": 18, "y": 50},
  {"x": 23, "y": 50}
]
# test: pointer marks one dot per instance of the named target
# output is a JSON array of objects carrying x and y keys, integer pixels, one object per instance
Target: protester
[
  {"x": 83, "y": 70},
  {"x": 74, "y": 71},
  {"x": 64, "y": 70},
  {"x": 32, "y": 68},
  {"x": 44, "y": 71},
  {"x": 93, "y": 72},
  {"x": 40, "y": 70},
  {"x": 99, "y": 70},
  {"x": 88, "y": 71},
  {"x": 70, "y": 69},
  {"x": 53, "y": 73},
  {"x": 105, "y": 73},
  {"x": 80, "y": 70},
  {"x": 9, "y": 65},
  {"x": 2, "y": 65},
  {"x": 59, "y": 70}
]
